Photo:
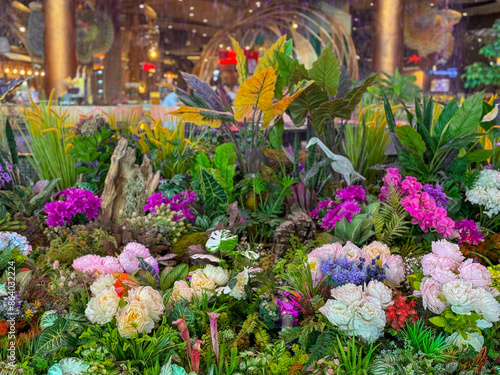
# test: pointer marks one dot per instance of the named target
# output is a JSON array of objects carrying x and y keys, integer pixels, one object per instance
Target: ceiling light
[
  {"x": 206, "y": 60},
  {"x": 250, "y": 11},
  {"x": 191, "y": 14},
  {"x": 432, "y": 4},
  {"x": 42, "y": 74},
  {"x": 191, "y": 8},
  {"x": 194, "y": 31},
  {"x": 30, "y": 72},
  {"x": 170, "y": 26},
  {"x": 37, "y": 73},
  {"x": 205, "y": 20},
  {"x": 7, "y": 70},
  {"x": 354, "y": 28},
  {"x": 247, "y": 48},
  {"x": 14, "y": 71},
  {"x": 257, "y": 4},
  {"x": 371, "y": 4},
  {"x": 356, "y": 19},
  {"x": 204, "y": 35},
  {"x": 228, "y": 48},
  {"x": 23, "y": 72},
  {"x": 221, "y": 45},
  {"x": 22, "y": 29},
  {"x": 294, "y": 25},
  {"x": 479, "y": 40},
  {"x": 464, "y": 14}
]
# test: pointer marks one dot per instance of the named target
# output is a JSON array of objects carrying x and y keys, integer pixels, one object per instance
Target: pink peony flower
[
  {"x": 324, "y": 252},
  {"x": 94, "y": 264},
  {"x": 431, "y": 292},
  {"x": 431, "y": 261},
  {"x": 130, "y": 254},
  {"x": 476, "y": 273},
  {"x": 445, "y": 249},
  {"x": 394, "y": 271}
]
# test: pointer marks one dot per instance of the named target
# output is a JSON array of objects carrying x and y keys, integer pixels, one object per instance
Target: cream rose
[
  {"x": 352, "y": 251},
  {"x": 369, "y": 321},
  {"x": 151, "y": 298},
  {"x": 181, "y": 291},
  {"x": 199, "y": 282},
  {"x": 476, "y": 273},
  {"x": 431, "y": 292},
  {"x": 395, "y": 272},
  {"x": 379, "y": 291},
  {"x": 348, "y": 294},
  {"x": 460, "y": 295},
  {"x": 102, "y": 308},
  {"x": 103, "y": 282},
  {"x": 337, "y": 313},
  {"x": 377, "y": 249},
  {"x": 219, "y": 275},
  {"x": 134, "y": 317}
]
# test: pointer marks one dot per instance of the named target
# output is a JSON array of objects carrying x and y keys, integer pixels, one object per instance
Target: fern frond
[{"x": 248, "y": 326}]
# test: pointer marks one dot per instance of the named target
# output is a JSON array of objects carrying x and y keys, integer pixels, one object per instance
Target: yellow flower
[{"x": 134, "y": 317}]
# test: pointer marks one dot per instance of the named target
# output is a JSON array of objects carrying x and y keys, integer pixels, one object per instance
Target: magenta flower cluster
[
  {"x": 178, "y": 203},
  {"x": 75, "y": 202},
  {"x": 469, "y": 232},
  {"x": 426, "y": 211},
  {"x": 347, "y": 205},
  {"x": 5, "y": 176}
]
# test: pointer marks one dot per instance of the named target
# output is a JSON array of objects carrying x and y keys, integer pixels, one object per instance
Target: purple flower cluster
[
  {"x": 341, "y": 271},
  {"x": 76, "y": 202},
  {"x": 347, "y": 205},
  {"x": 469, "y": 232},
  {"x": 178, "y": 203},
  {"x": 437, "y": 193},
  {"x": 5, "y": 176}
]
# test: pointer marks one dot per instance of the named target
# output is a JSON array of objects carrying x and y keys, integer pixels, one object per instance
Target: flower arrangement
[
  {"x": 486, "y": 192},
  {"x": 76, "y": 206},
  {"x": 177, "y": 203}
]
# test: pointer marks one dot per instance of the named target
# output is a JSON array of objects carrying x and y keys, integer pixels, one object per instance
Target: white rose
[
  {"x": 473, "y": 338},
  {"x": 381, "y": 292},
  {"x": 337, "y": 313},
  {"x": 134, "y": 317},
  {"x": 151, "y": 298},
  {"x": 394, "y": 271},
  {"x": 181, "y": 291},
  {"x": 459, "y": 294},
  {"x": 377, "y": 249},
  {"x": 348, "y": 294},
  {"x": 103, "y": 282},
  {"x": 238, "y": 290},
  {"x": 486, "y": 305},
  {"x": 369, "y": 321},
  {"x": 219, "y": 275},
  {"x": 102, "y": 308}
]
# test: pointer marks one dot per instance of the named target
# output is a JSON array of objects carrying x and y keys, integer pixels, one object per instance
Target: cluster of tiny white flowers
[{"x": 486, "y": 192}]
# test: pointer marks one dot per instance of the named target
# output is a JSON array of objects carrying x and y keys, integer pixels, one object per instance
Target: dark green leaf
[
  {"x": 468, "y": 116},
  {"x": 167, "y": 279},
  {"x": 52, "y": 338},
  {"x": 410, "y": 138},
  {"x": 478, "y": 155},
  {"x": 325, "y": 71},
  {"x": 276, "y": 136}
]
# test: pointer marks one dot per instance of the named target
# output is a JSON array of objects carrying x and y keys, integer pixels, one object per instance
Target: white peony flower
[
  {"x": 102, "y": 308},
  {"x": 369, "y": 321},
  {"x": 337, "y": 313},
  {"x": 486, "y": 305},
  {"x": 103, "y": 282},
  {"x": 486, "y": 192},
  {"x": 134, "y": 317},
  {"x": 348, "y": 294},
  {"x": 473, "y": 338},
  {"x": 151, "y": 298},
  {"x": 199, "y": 281},
  {"x": 382, "y": 293},
  {"x": 460, "y": 295},
  {"x": 219, "y": 275}
]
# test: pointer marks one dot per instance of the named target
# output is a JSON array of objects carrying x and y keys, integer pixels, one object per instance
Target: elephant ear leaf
[
  {"x": 257, "y": 91},
  {"x": 202, "y": 116},
  {"x": 325, "y": 71},
  {"x": 468, "y": 116},
  {"x": 5, "y": 89},
  {"x": 203, "y": 90},
  {"x": 241, "y": 60},
  {"x": 52, "y": 338},
  {"x": 269, "y": 60}
]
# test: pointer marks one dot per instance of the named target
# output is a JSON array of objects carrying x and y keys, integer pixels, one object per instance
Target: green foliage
[
  {"x": 480, "y": 73},
  {"x": 391, "y": 219},
  {"x": 450, "y": 321},
  {"x": 11, "y": 143},
  {"x": 360, "y": 229},
  {"x": 93, "y": 155},
  {"x": 428, "y": 146},
  {"x": 23, "y": 199},
  {"x": 168, "y": 278},
  {"x": 398, "y": 88},
  {"x": 354, "y": 358},
  {"x": 425, "y": 340},
  {"x": 54, "y": 338}
]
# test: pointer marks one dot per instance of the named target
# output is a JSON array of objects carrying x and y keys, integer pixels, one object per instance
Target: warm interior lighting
[
  {"x": 42, "y": 74},
  {"x": 22, "y": 29},
  {"x": 153, "y": 53},
  {"x": 295, "y": 25},
  {"x": 37, "y": 73},
  {"x": 7, "y": 70},
  {"x": 23, "y": 72},
  {"x": 30, "y": 72},
  {"x": 14, "y": 71}
]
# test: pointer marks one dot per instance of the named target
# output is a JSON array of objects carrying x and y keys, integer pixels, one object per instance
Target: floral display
[{"x": 369, "y": 246}]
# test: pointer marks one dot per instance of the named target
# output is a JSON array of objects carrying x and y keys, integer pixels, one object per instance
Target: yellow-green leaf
[
  {"x": 256, "y": 91},
  {"x": 269, "y": 60},
  {"x": 280, "y": 107},
  {"x": 202, "y": 116},
  {"x": 241, "y": 65}
]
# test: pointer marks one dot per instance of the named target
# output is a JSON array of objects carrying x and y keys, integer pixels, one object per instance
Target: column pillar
[
  {"x": 59, "y": 38},
  {"x": 388, "y": 35}
]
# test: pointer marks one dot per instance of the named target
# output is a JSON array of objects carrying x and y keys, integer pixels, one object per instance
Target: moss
[{"x": 181, "y": 246}]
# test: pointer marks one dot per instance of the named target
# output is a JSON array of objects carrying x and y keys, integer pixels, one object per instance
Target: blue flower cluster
[
  {"x": 342, "y": 271},
  {"x": 13, "y": 240}
]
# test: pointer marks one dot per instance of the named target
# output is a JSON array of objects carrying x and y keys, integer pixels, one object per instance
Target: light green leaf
[
  {"x": 409, "y": 137},
  {"x": 221, "y": 240},
  {"x": 325, "y": 70},
  {"x": 225, "y": 162},
  {"x": 468, "y": 116},
  {"x": 213, "y": 192},
  {"x": 478, "y": 155},
  {"x": 167, "y": 279}
]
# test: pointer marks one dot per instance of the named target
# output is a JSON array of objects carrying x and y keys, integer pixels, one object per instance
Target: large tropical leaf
[
  {"x": 201, "y": 116},
  {"x": 354, "y": 96},
  {"x": 221, "y": 240},
  {"x": 204, "y": 91},
  {"x": 149, "y": 268},
  {"x": 325, "y": 70},
  {"x": 52, "y": 338},
  {"x": 328, "y": 111},
  {"x": 444, "y": 118},
  {"x": 257, "y": 91},
  {"x": 280, "y": 107},
  {"x": 478, "y": 155},
  {"x": 410, "y": 138},
  {"x": 241, "y": 61},
  {"x": 225, "y": 162},
  {"x": 167, "y": 279},
  {"x": 286, "y": 66},
  {"x": 308, "y": 101},
  {"x": 69, "y": 366},
  {"x": 213, "y": 191},
  {"x": 468, "y": 116},
  {"x": 5, "y": 89},
  {"x": 269, "y": 60}
]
